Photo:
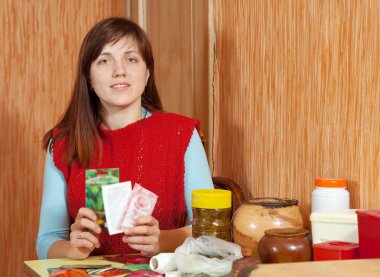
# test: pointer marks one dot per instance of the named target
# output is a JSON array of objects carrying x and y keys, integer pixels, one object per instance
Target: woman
[{"x": 115, "y": 120}]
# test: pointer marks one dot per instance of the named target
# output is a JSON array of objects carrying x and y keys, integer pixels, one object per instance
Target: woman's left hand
[{"x": 144, "y": 236}]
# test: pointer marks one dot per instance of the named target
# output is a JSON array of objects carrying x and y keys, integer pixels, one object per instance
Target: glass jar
[
  {"x": 285, "y": 245},
  {"x": 330, "y": 195},
  {"x": 211, "y": 213}
]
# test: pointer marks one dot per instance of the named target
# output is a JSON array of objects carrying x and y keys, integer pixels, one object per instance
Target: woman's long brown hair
[{"x": 80, "y": 121}]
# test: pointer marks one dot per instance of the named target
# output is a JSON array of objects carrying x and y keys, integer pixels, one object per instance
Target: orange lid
[{"x": 331, "y": 183}]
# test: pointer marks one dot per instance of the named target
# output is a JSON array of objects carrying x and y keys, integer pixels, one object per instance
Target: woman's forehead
[{"x": 124, "y": 43}]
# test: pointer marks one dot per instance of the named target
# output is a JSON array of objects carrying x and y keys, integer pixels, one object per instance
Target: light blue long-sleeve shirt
[{"x": 54, "y": 216}]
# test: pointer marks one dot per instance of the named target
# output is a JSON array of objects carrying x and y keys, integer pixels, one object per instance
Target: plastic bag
[{"x": 206, "y": 254}]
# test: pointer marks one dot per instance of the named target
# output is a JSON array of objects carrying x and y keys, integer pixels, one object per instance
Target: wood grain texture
[
  {"x": 179, "y": 35},
  {"x": 39, "y": 45},
  {"x": 297, "y": 96}
]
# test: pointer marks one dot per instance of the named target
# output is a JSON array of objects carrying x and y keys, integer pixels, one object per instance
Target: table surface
[{"x": 346, "y": 268}]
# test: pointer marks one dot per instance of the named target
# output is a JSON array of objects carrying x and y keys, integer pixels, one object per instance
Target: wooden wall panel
[
  {"x": 39, "y": 45},
  {"x": 297, "y": 96},
  {"x": 179, "y": 35}
]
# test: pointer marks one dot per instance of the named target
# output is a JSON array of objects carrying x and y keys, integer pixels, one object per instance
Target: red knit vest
[{"x": 149, "y": 152}]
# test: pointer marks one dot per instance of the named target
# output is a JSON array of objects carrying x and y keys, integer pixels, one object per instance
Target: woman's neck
[{"x": 120, "y": 119}]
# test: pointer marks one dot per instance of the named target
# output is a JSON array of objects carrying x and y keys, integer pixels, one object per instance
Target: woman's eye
[
  {"x": 103, "y": 61},
  {"x": 132, "y": 60}
]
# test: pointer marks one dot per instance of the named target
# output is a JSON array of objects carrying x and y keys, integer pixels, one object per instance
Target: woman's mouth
[{"x": 120, "y": 86}]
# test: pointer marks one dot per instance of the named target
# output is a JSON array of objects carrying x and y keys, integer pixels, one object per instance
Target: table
[{"x": 346, "y": 268}]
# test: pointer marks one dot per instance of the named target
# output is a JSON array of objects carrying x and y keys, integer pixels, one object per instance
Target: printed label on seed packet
[
  {"x": 95, "y": 180},
  {"x": 141, "y": 203},
  {"x": 115, "y": 199}
]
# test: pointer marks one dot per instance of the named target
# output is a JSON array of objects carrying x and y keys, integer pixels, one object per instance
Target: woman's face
[{"x": 119, "y": 76}]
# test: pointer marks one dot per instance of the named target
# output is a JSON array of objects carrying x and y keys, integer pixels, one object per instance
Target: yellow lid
[{"x": 211, "y": 199}]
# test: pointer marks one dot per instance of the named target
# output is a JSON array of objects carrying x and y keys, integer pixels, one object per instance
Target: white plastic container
[
  {"x": 330, "y": 195},
  {"x": 338, "y": 225}
]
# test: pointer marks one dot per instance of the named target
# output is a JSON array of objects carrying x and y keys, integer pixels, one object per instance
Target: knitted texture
[{"x": 149, "y": 152}]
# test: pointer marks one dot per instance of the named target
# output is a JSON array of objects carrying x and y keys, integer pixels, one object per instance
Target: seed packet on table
[
  {"x": 115, "y": 199},
  {"x": 95, "y": 180},
  {"x": 141, "y": 203},
  {"x": 88, "y": 270}
]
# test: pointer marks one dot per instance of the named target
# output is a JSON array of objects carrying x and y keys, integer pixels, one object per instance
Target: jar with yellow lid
[{"x": 211, "y": 213}]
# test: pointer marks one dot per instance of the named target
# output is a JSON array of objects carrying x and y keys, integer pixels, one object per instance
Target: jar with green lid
[{"x": 211, "y": 213}]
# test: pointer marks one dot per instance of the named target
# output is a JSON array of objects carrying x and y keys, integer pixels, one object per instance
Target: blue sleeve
[
  {"x": 197, "y": 171},
  {"x": 54, "y": 217}
]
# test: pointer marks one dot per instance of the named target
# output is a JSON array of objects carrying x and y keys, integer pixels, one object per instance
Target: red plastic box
[
  {"x": 369, "y": 233},
  {"x": 335, "y": 250}
]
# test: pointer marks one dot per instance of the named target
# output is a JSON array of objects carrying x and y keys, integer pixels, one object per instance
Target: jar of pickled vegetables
[{"x": 211, "y": 213}]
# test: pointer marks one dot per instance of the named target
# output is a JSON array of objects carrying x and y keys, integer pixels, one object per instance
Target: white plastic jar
[{"x": 330, "y": 195}]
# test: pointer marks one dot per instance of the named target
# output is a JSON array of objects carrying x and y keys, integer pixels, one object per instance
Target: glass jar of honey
[{"x": 211, "y": 213}]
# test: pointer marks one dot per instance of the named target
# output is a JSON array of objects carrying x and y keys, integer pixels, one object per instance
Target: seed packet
[
  {"x": 141, "y": 202},
  {"x": 115, "y": 199},
  {"x": 89, "y": 270},
  {"x": 133, "y": 258},
  {"x": 95, "y": 180}
]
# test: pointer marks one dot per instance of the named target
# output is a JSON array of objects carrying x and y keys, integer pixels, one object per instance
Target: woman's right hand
[{"x": 84, "y": 234}]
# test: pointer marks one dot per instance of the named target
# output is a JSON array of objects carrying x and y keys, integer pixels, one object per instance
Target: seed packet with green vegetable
[{"x": 95, "y": 179}]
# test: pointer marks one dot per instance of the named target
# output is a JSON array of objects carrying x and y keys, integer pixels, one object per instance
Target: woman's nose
[{"x": 119, "y": 70}]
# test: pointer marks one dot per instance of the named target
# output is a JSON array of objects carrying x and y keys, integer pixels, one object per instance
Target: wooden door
[{"x": 179, "y": 33}]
